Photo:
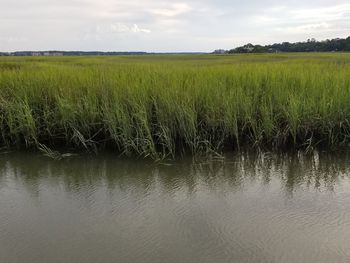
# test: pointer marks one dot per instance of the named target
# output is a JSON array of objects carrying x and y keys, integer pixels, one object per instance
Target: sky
[{"x": 168, "y": 25}]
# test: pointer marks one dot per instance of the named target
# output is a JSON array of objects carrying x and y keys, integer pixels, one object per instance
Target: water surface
[{"x": 248, "y": 208}]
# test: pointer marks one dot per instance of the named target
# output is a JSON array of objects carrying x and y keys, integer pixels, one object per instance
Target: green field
[{"x": 163, "y": 106}]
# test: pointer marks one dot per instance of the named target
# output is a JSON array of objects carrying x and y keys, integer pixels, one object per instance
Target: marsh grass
[{"x": 162, "y": 106}]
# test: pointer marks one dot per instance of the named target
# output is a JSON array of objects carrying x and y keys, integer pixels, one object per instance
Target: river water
[{"x": 244, "y": 208}]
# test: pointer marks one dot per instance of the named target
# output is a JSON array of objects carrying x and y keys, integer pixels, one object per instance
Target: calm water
[{"x": 250, "y": 208}]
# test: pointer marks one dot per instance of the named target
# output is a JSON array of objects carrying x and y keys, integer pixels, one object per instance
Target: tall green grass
[{"x": 164, "y": 105}]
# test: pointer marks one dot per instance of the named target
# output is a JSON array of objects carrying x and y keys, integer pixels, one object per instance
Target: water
[{"x": 248, "y": 208}]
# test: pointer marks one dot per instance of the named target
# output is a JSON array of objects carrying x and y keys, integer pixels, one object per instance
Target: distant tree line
[
  {"x": 311, "y": 45},
  {"x": 88, "y": 53},
  {"x": 68, "y": 53}
]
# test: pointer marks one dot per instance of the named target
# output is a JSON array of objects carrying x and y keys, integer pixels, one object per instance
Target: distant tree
[{"x": 311, "y": 45}]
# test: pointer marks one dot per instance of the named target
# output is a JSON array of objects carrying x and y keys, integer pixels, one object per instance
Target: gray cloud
[{"x": 154, "y": 25}]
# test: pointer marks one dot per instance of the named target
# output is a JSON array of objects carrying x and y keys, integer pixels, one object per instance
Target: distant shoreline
[
  {"x": 311, "y": 45},
  {"x": 56, "y": 53}
]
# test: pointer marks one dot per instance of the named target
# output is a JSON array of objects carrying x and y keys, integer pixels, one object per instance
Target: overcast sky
[{"x": 168, "y": 25}]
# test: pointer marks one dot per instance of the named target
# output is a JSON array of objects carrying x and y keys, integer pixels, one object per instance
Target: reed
[{"x": 161, "y": 106}]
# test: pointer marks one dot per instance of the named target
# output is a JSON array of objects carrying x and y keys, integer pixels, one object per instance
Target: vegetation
[
  {"x": 164, "y": 105},
  {"x": 311, "y": 45}
]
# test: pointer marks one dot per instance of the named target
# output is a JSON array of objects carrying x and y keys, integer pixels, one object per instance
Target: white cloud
[
  {"x": 123, "y": 28},
  {"x": 306, "y": 28},
  {"x": 172, "y": 10},
  {"x": 325, "y": 13}
]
